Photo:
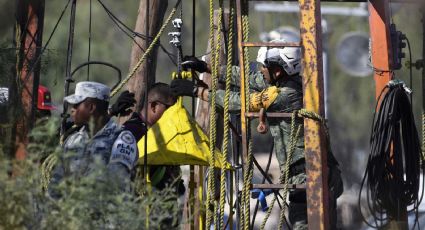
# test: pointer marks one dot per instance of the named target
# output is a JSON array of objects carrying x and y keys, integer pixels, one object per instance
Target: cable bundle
[{"x": 394, "y": 164}]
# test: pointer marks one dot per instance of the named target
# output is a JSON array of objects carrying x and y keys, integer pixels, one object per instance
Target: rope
[
  {"x": 249, "y": 173},
  {"x": 293, "y": 142},
  {"x": 211, "y": 175},
  {"x": 133, "y": 34},
  {"x": 215, "y": 76},
  {"x": 46, "y": 169},
  {"x": 148, "y": 50},
  {"x": 248, "y": 169},
  {"x": 284, "y": 176},
  {"x": 284, "y": 173},
  {"x": 216, "y": 219},
  {"x": 226, "y": 114}
]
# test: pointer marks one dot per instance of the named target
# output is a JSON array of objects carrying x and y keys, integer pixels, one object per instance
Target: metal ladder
[{"x": 311, "y": 45}]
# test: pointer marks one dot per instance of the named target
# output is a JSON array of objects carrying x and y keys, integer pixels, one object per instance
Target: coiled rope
[{"x": 46, "y": 170}]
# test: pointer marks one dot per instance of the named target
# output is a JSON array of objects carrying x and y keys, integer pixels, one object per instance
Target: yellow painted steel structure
[
  {"x": 315, "y": 146},
  {"x": 311, "y": 44}
]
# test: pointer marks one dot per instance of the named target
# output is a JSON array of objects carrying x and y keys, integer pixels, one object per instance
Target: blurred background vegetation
[
  {"x": 351, "y": 99},
  {"x": 84, "y": 203}
]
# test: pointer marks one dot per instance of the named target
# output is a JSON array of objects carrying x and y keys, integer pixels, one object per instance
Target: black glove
[
  {"x": 181, "y": 87},
  {"x": 190, "y": 62},
  {"x": 123, "y": 104},
  {"x": 202, "y": 84}
]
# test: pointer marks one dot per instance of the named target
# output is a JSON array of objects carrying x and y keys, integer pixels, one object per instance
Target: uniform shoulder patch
[
  {"x": 127, "y": 138},
  {"x": 124, "y": 150}
]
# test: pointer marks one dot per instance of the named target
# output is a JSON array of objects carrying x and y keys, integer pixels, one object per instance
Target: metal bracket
[
  {"x": 177, "y": 23},
  {"x": 175, "y": 38}
]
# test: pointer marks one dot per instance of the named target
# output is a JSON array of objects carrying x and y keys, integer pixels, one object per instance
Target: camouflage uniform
[
  {"x": 112, "y": 147},
  {"x": 289, "y": 99}
]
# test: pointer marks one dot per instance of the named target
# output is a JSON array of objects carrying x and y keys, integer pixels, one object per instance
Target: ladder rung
[
  {"x": 256, "y": 114},
  {"x": 271, "y": 44},
  {"x": 277, "y": 186}
]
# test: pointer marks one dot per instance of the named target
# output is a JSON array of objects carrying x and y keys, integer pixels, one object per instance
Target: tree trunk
[
  {"x": 144, "y": 75},
  {"x": 29, "y": 31}
]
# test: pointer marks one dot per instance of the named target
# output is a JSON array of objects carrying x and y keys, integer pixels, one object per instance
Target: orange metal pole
[
  {"x": 379, "y": 18},
  {"x": 379, "y": 22}
]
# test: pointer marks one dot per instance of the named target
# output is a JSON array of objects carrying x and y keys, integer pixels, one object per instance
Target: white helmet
[{"x": 287, "y": 57}]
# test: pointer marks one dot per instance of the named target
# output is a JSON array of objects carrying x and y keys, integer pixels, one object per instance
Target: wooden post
[
  {"x": 138, "y": 82},
  {"x": 29, "y": 31}
]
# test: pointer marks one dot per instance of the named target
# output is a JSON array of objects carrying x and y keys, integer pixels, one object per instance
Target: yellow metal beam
[{"x": 315, "y": 147}]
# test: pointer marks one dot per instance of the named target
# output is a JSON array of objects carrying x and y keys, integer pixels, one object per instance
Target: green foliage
[{"x": 89, "y": 202}]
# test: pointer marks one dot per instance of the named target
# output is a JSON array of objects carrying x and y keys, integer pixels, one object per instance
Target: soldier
[
  {"x": 276, "y": 87},
  {"x": 96, "y": 139}
]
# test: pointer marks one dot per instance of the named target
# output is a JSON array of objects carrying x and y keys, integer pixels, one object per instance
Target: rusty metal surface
[
  {"x": 274, "y": 44},
  {"x": 315, "y": 147},
  {"x": 256, "y": 114},
  {"x": 277, "y": 186}
]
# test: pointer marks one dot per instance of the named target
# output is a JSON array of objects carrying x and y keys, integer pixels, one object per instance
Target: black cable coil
[{"x": 393, "y": 169}]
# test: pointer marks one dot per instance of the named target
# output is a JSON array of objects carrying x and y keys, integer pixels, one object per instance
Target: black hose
[
  {"x": 393, "y": 170},
  {"x": 99, "y": 63}
]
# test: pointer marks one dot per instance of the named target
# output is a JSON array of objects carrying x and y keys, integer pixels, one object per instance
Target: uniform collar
[{"x": 107, "y": 128}]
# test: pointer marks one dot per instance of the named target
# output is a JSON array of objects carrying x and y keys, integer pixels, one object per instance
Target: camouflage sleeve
[
  {"x": 287, "y": 101},
  {"x": 256, "y": 84},
  {"x": 234, "y": 100},
  {"x": 256, "y": 79}
]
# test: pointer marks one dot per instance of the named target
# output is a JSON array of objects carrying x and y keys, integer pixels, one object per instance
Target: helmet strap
[{"x": 272, "y": 73}]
